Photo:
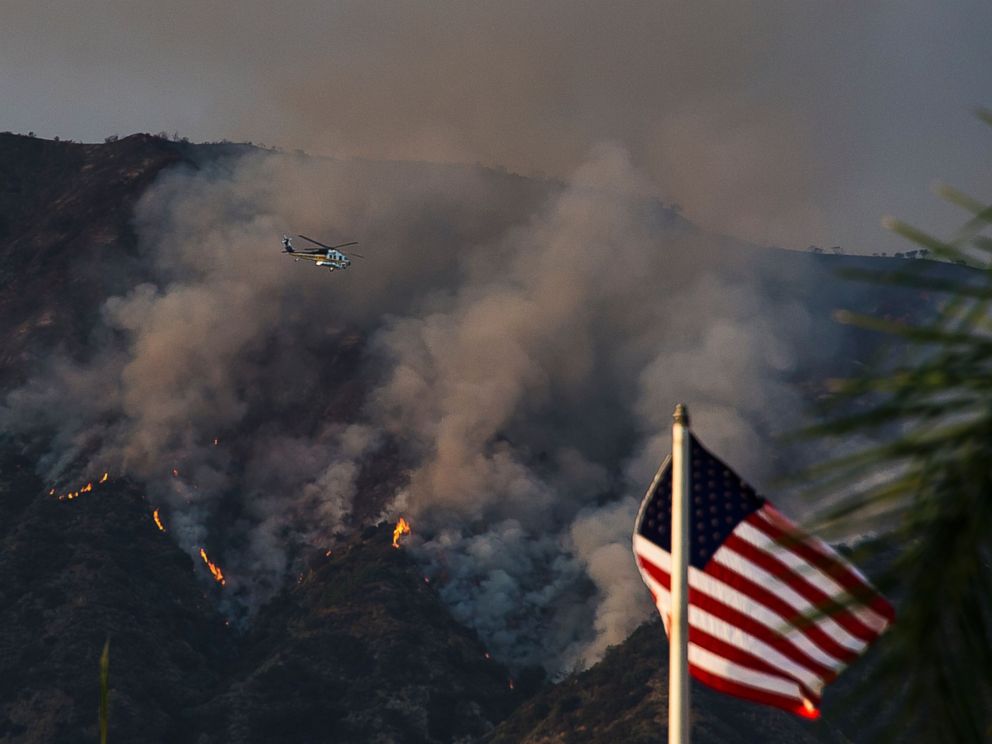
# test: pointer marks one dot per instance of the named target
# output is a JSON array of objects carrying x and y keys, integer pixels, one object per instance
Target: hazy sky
[{"x": 781, "y": 122}]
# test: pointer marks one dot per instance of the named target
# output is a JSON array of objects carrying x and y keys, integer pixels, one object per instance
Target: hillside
[
  {"x": 624, "y": 698},
  {"x": 360, "y": 644},
  {"x": 66, "y": 237},
  {"x": 76, "y": 572},
  {"x": 359, "y": 649}
]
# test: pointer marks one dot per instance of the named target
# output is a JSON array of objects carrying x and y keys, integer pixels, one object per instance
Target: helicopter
[{"x": 329, "y": 256}]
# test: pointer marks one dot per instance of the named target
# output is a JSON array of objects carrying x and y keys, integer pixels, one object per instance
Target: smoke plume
[{"x": 501, "y": 370}]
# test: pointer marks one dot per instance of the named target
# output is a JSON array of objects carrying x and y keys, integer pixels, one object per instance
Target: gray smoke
[
  {"x": 590, "y": 321},
  {"x": 510, "y": 352}
]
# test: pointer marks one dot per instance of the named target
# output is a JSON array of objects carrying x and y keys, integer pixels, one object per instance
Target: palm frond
[{"x": 925, "y": 487}]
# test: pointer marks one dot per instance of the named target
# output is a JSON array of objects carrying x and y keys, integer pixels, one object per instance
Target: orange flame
[
  {"x": 402, "y": 528},
  {"x": 808, "y": 710},
  {"x": 158, "y": 521},
  {"x": 214, "y": 568},
  {"x": 70, "y": 495}
]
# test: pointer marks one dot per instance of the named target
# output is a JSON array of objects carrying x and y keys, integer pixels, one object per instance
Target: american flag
[{"x": 774, "y": 613}]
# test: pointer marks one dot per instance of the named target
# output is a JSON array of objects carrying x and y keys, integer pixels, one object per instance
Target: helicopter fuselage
[{"x": 334, "y": 260}]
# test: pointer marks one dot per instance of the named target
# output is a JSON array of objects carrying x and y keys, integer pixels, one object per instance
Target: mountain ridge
[{"x": 319, "y": 661}]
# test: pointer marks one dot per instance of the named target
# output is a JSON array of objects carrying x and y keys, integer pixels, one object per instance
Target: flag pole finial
[{"x": 681, "y": 415}]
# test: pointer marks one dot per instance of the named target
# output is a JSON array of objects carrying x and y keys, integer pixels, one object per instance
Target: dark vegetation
[
  {"x": 66, "y": 205},
  {"x": 75, "y": 573},
  {"x": 625, "y": 698},
  {"x": 359, "y": 644}
]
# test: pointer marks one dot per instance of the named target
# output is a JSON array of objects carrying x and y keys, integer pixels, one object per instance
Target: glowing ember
[
  {"x": 327, "y": 554},
  {"x": 402, "y": 528},
  {"x": 809, "y": 710},
  {"x": 214, "y": 568},
  {"x": 216, "y": 441},
  {"x": 87, "y": 488},
  {"x": 52, "y": 492},
  {"x": 175, "y": 473},
  {"x": 510, "y": 684},
  {"x": 104, "y": 478},
  {"x": 158, "y": 521}
]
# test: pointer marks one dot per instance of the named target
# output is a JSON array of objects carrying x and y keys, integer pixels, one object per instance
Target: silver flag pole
[{"x": 678, "y": 662}]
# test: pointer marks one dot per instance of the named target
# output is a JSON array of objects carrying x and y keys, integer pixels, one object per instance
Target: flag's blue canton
[{"x": 720, "y": 500}]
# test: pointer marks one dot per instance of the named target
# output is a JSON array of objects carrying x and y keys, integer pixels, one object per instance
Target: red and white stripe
[{"x": 775, "y": 614}]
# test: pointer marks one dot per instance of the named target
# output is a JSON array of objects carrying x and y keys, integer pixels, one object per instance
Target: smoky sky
[{"x": 781, "y": 123}]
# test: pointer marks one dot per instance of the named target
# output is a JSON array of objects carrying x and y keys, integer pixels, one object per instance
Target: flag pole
[{"x": 678, "y": 658}]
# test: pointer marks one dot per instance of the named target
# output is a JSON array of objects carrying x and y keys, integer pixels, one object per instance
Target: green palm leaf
[{"x": 925, "y": 487}]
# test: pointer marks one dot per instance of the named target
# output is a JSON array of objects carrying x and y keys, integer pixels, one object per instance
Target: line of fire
[{"x": 401, "y": 530}]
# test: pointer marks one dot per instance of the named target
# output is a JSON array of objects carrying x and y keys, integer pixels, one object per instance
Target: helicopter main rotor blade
[
  {"x": 329, "y": 247},
  {"x": 317, "y": 242},
  {"x": 356, "y": 255}
]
